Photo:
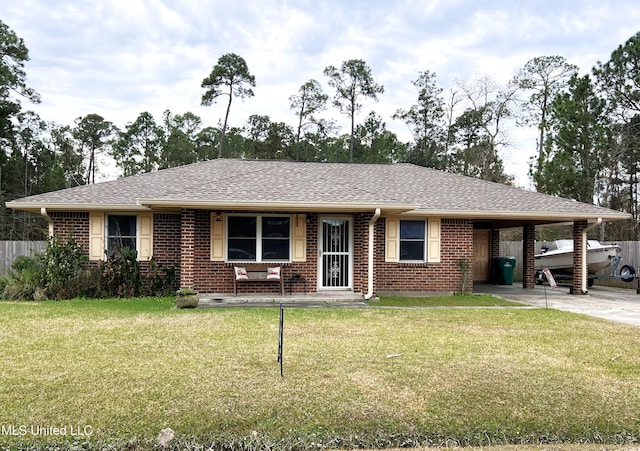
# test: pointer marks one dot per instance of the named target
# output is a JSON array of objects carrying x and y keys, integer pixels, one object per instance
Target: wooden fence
[
  {"x": 9, "y": 250},
  {"x": 630, "y": 256}
]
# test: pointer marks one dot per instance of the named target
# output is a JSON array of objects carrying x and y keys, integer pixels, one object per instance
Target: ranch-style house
[{"x": 361, "y": 228}]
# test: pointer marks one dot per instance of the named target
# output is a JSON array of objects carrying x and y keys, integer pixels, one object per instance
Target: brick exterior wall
[
  {"x": 186, "y": 236},
  {"x": 72, "y": 223},
  {"x": 166, "y": 242},
  {"x": 456, "y": 243}
]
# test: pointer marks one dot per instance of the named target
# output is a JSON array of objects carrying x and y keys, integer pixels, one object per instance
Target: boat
[{"x": 558, "y": 256}]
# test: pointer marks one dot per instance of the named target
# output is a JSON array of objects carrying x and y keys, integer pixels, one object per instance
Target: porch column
[
  {"x": 579, "y": 256},
  {"x": 528, "y": 261},
  {"x": 187, "y": 247},
  {"x": 494, "y": 252}
]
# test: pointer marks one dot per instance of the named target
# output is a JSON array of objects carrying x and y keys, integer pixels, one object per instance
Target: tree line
[{"x": 588, "y": 129}]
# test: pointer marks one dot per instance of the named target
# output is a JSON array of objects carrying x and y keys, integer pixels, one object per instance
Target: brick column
[
  {"x": 528, "y": 251},
  {"x": 494, "y": 252},
  {"x": 187, "y": 248},
  {"x": 578, "y": 227}
]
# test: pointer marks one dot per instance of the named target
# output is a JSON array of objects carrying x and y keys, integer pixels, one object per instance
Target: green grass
[
  {"x": 468, "y": 300},
  {"x": 352, "y": 377}
]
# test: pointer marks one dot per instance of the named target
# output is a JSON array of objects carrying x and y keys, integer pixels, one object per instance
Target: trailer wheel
[{"x": 627, "y": 273}]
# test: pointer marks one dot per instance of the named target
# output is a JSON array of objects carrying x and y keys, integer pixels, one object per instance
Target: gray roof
[{"x": 306, "y": 186}]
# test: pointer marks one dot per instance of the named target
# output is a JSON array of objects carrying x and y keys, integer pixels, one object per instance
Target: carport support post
[
  {"x": 528, "y": 251},
  {"x": 579, "y": 257}
]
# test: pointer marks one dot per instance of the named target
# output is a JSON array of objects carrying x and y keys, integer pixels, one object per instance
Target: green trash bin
[{"x": 504, "y": 267}]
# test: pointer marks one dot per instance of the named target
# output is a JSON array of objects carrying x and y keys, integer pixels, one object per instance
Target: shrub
[
  {"x": 63, "y": 271},
  {"x": 121, "y": 273},
  {"x": 161, "y": 281},
  {"x": 25, "y": 280},
  {"x": 65, "y": 264}
]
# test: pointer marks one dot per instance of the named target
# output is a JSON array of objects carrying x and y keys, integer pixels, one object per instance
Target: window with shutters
[
  {"x": 121, "y": 233},
  {"x": 258, "y": 238},
  {"x": 413, "y": 240}
]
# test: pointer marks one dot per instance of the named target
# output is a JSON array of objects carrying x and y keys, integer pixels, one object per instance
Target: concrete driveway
[{"x": 615, "y": 304}]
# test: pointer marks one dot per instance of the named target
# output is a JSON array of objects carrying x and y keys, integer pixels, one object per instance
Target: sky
[{"x": 119, "y": 58}]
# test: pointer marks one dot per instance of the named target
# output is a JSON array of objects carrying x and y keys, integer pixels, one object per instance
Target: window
[
  {"x": 121, "y": 232},
  {"x": 259, "y": 238},
  {"x": 412, "y": 240}
]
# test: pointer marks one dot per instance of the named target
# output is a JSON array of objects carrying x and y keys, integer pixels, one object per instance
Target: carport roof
[{"x": 237, "y": 184}]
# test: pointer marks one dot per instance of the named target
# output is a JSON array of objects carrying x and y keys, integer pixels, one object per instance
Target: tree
[
  {"x": 206, "y": 143},
  {"x": 257, "y": 130},
  {"x": 376, "y": 144},
  {"x": 490, "y": 105},
  {"x": 139, "y": 146},
  {"x": 309, "y": 101},
  {"x": 13, "y": 55},
  {"x": 29, "y": 143},
  {"x": 95, "y": 134},
  {"x": 425, "y": 119},
  {"x": 61, "y": 143},
  {"x": 181, "y": 132},
  {"x": 230, "y": 77},
  {"x": 474, "y": 156},
  {"x": 578, "y": 142},
  {"x": 352, "y": 82},
  {"x": 619, "y": 80},
  {"x": 544, "y": 77}
]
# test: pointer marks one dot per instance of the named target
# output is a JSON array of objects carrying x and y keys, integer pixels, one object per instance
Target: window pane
[
  {"x": 116, "y": 243},
  {"x": 242, "y": 226},
  {"x": 412, "y": 250},
  {"x": 275, "y": 249},
  {"x": 412, "y": 230},
  {"x": 122, "y": 225},
  {"x": 242, "y": 249},
  {"x": 275, "y": 227}
]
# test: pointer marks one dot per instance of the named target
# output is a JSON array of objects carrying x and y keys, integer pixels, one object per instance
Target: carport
[{"x": 581, "y": 223}]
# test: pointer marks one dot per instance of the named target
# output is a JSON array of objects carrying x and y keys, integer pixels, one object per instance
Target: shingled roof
[{"x": 305, "y": 186}]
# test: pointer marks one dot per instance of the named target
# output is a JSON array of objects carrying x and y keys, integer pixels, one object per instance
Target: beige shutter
[
  {"x": 433, "y": 238},
  {"x": 146, "y": 236},
  {"x": 299, "y": 238},
  {"x": 392, "y": 240},
  {"x": 96, "y": 236},
  {"x": 217, "y": 237}
]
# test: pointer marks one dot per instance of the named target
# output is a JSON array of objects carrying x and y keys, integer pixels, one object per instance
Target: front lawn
[{"x": 119, "y": 371}]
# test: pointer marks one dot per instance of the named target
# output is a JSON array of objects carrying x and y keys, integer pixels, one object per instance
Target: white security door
[{"x": 335, "y": 253}]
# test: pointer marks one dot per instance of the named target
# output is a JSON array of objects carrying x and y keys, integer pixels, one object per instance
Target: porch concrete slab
[
  {"x": 316, "y": 300},
  {"x": 620, "y": 305}
]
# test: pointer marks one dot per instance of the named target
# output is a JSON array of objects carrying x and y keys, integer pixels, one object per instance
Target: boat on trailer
[{"x": 558, "y": 258}]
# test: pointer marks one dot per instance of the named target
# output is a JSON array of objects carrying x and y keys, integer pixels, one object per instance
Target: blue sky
[{"x": 118, "y": 58}]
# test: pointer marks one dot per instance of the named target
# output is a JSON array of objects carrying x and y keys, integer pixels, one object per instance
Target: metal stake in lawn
[
  {"x": 552, "y": 283},
  {"x": 281, "y": 339}
]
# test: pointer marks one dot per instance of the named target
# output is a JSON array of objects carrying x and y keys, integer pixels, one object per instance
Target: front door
[
  {"x": 481, "y": 245},
  {"x": 335, "y": 253}
]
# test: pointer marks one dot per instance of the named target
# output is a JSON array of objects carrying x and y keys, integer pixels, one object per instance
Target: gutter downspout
[
  {"x": 583, "y": 243},
  {"x": 372, "y": 222},
  {"x": 45, "y": 215}
]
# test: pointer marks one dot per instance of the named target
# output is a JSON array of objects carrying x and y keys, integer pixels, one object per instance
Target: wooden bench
[{"x": 256, "y": 273}]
